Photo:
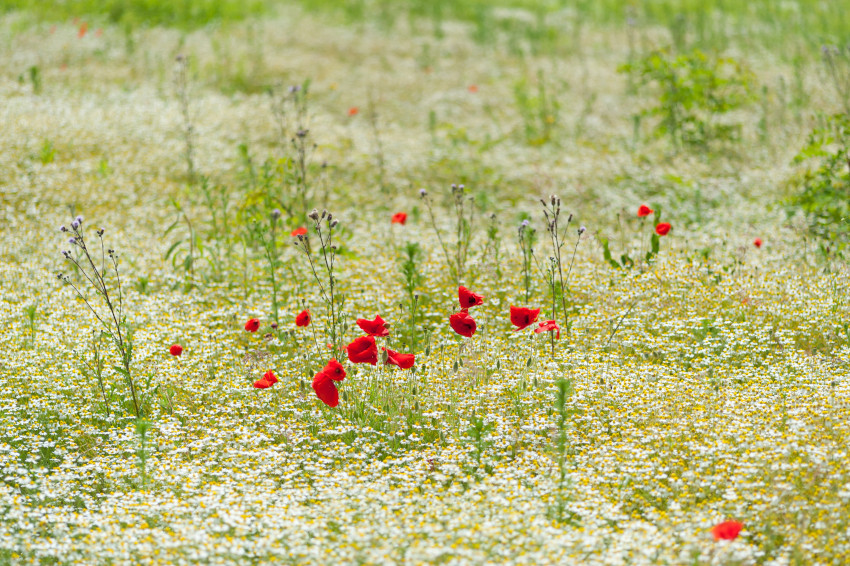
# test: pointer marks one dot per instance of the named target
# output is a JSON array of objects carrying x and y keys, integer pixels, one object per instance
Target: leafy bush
[{"x": 694, "y": 93}]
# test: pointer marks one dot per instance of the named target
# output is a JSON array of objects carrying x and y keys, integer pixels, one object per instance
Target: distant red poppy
[
  {"x": 549, "y": 326},
  {"x": 644, "y": 210},
  {"x": 523, "y": 317},
  {"x": 334, "y": 370},
  {"x": 262, "y": 384},
  {"x": 252, "y": 325},
  {"x": 375, "y": 327},
  {"x": 302, "y": 231},
  {"x": 472, "y": 88},
  {"x": 662, "y": 228},
  {"x": 84, "y": 27},
  {"x": 363, "y": 351},
  {"x": 399, "y": 218},
  {"x": 468, "y": 299},
  {"x": 757, "y": 243},
  {"x": 325, "y": 389},
  {"x": 270, "y": 377},
  {"x": 462, "y": 323},
  {"x": 404, "y": 361},
  {"x": 353, "y": 111},
  {"x": 303, "y": 318},
  {"x": 175, "y": 350},
  {"x": 727, "y": 530}
]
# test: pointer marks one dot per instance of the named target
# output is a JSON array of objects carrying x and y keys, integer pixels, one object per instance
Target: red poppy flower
[
  {"x": 472, "y": 88},
  {"x": 727, "y": 530},
  {"x": 462, "y": 323},
  {"x": 84, "y": 27},
  {"x": 252, "y": 325},
  {"x": 549, "y": 326},
  {"x": 662, "y": 228},
  {"x": 262, "y": 384},
  {"x": 176, "y": 350},
  {"x": 301, "y": 231},
  {"x": 644, "y": 210},
  {"x": 375, "y": 327},
  {"x": 757, "y": 243},
  {"x": 325, "y": 389},
  {"x": 334, "y": 370},
  {"x": 399, "y": 218},
  {"x": 468, "y": 299},
  {"x": 270, "y": 377},
  {"x": 523, "y": 317},
  {"x": 303, "y": 318},
  {"x": 404, "y": 361},
  {"x": 353, "y": 111},
  {"x": 363, "y": 351}
]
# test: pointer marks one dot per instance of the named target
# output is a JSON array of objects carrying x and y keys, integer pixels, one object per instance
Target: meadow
[{"x": 410, "y": 282}]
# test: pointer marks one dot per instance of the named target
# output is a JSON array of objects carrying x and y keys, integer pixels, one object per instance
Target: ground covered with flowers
[{"x": 669, "y": 384}]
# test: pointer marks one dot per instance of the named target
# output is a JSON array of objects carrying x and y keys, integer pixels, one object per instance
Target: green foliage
[
  {"x": 625, "y": 261},
  {"x": 186, "y": 14},
  {"x": 412, "y": 279},
  {"x": 825, "y": 196},
  {"x": 694, "y": 94},
  {"x": 47, "y": 153},
  {"x": 539, "y": 110}
]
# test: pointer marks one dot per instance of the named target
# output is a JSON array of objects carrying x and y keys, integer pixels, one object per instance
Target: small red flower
[
  {"x": 662, "y": 228},
  {"x": 472, "y": 88},
  {"x": 262, "y": 384},
  {"x": 399, "y": 218},
  {"x": 175, "y": 350},
  {"x": 727, "y": 530},
  {"x": 462, "y": 323},
  {"x": 334, "y": 370},
  {"x": 523, "y": 317},
  {"x": 252, "y": 325},
  {"x": 353, "y": 111},
  {"x": 404, "y": 361},
  {"x": 303, "y": 318},
  {"x": 325, "y": 389},
  {"x": 375, "y": 327},
  {"x": 84, "y": 27},
  {"x": 468, "y": 299},
  {"x": 644, "y": 210},
  {"x": 302, "y": 231},
  {"x": 757, "y": 243},
  {"x": 363, "y": 351},
  {"x": 270, "y": 377},
  {"x": 549, "y": 326}
]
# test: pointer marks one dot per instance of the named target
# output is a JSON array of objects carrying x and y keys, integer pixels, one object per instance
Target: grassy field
[{"x": 159, "y": 163}]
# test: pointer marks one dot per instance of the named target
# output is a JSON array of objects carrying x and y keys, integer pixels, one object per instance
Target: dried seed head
[
  {"x": 324, "y": 212},
  {"x": 314, "y": 214},
  {"x": 334, "y": 223}
]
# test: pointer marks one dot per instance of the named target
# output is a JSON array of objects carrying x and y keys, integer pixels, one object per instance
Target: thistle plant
[
  {"x": 464, "y": 210},
  {"x": 325, "y": 263},
  {"x": 107, "y": 304},
  {"x": 526, "y": 237},
  {"x": 291, "y": 112},
  {"x": 557, "y": 282}
]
